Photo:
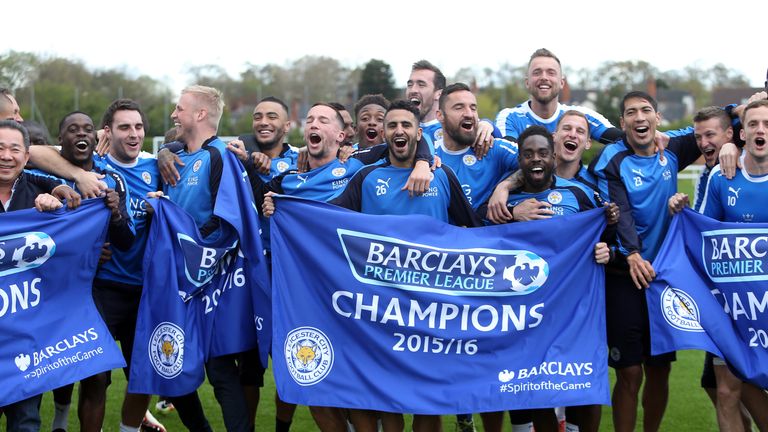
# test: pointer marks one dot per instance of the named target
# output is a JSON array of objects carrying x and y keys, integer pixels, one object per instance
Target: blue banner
[
  {"x": 408, "y": 314},
  {"x": 51, "y": 333},
  {"x": 711, "y": 292},
  {"x": 187, "y": 281},
  {"x": 202, "y": 297}
]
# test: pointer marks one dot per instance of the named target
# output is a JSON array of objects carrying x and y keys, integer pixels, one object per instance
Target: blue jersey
[
  {"x": 196, "y": 190},
  {"x": 142, "y": 177},
  {"x": 566, "y": 197},
  {"x": 285, "y": 161},
  {"x": 376, "y": 189},
  {"x": 701, "y": 188},
  {"x": 511, "y": 122},
  {"x": 432, "y": 131},
  {"x": 478, "y": 178},
  {"x": 741, "y": 199},
  {"x": 320, "y": 184},
  {"x": 641, "y": 187}
]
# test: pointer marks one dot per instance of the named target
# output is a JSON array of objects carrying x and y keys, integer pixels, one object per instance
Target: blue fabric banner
[
  {"x": 236, "y": 207},
  {"x": 711, "y": 292},
  {"x": 51, "y": 333},
  {"x": 202, "y": 298},
  {"x": 188, "y": 281},
  {"x": 408, "y": 314}
]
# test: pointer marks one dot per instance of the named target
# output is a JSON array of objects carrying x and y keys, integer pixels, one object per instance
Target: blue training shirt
[
  {"x": 741, "y": 199},
  {"x": 566, "y": 197},
  {"x": 478, "y": 178},
  {"x": 199, "y": 181},
  {"x": 511, "y": 122},
  {"x": 641, "y": 187},
  {"x": 142, "y": 177},
  {"x": 376, "y": 189}
]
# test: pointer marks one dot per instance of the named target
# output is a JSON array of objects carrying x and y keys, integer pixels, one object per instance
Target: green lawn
[{"x": 689, "y": 409}]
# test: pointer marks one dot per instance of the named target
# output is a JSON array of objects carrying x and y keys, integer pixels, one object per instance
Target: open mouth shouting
[
  {"x": 400, "y": 142},
  {"x": 315, "y": 138},
  {"x": 570, "y": 146},
  {"x": 467, "y": 125},
  {"x": 760, "y": 143}
]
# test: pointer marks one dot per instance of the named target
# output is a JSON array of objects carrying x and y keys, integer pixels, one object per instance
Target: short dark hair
[
  {"x": 453, "y": 88},
  {"x": 339, "y": 118},
  {"x": 543, "y": 52},
  {"x": 277, "y": 101},
  {"x": 371, "y": 99},
  {"x": 121, "y": 105},
  {"x": 37, "y": 133},
  {"x": 13, "y": 124},
  {"x": 170, "y": 135},
  {"x": 70, "y": 114},
  {"x": 533, "y": 131},
  {"x": 439, "y": 80},
  {"x": 638, "y": 95},
  {"x": 711, "y": 112},
  {"x": 402, "y": 104},
  {"x": 338, "y": 106}
]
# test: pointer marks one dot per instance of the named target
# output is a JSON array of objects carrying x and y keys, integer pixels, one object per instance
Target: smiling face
[
  {"x": 77, "y": 139},
  {"x": 544, "y": 80},
  {"x": 126, "y": 135},
  {"x": 370, "y": 125},
  {"x": 639, "y": 121},
  {"x": 323, "y": 132},
  {"x": 186, "y": 116},
  {"x": 537, "y": 162},
  {"x": 571, "y": 138},
  {"x": 421, "y": 91},
  {"x": 270, "y": 124},
  {"x": 402, "y": 131},
  {"x": 13, "y": 155},
  {"x": 459, "y": 118},
  {"x": 710, "y": 137}
]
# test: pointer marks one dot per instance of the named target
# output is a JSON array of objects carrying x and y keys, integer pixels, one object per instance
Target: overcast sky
[{"x": 163, "y": 39}]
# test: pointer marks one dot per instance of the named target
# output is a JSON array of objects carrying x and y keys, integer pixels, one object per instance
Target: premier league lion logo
[{"x": 528, "y": 274}]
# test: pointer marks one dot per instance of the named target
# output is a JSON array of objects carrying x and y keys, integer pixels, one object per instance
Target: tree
[
  {"x": 376, "y": 77},
  {"x": 17, "y": 69}
]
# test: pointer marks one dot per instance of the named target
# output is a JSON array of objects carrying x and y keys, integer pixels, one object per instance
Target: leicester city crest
[
  {"x": 166, "y": 349},
  {"x": 308, "y": 355},
  {"x": 680, "y": 310}
]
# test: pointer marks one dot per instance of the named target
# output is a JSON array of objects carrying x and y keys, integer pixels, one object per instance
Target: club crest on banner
[
  {"x": 680, "y": 310},
  {"x": 166, "y": 349},
  {"x": 308, "y": 354}
]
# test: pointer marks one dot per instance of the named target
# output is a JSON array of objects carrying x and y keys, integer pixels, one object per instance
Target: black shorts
[
  {"x": 118, "y": 305},
  {"x": 708, "y": 380},
  {"x": 251, "y": 370},
  {"x": 626, "y": 314}
]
